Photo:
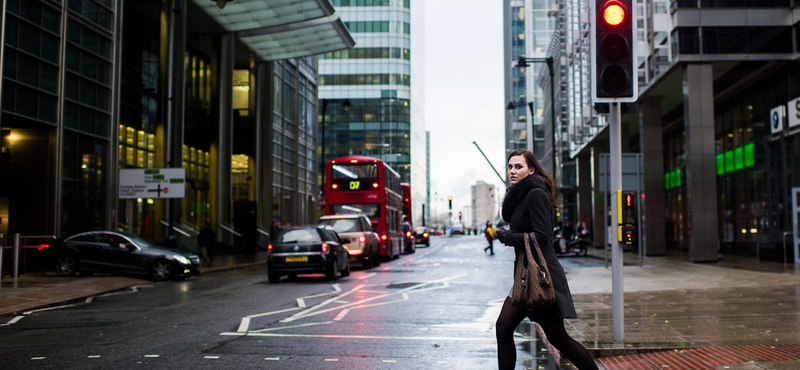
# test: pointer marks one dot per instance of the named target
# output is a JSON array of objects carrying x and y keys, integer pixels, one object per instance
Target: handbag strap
[{"x": 529, "y": 253}]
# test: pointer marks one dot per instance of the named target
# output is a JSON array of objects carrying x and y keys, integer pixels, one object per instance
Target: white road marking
[
  {"x": 13, "y": 321},
  {"x": 93, "y": 356},
  {"x": 38, "y": 358},
  {"x": 244, "y": 325},
  {"x": 389, "y": 361},
  {"x": 151, "y": 356},
  {"x": 211, "y": 357},
  {"x": 341, "y": 314},
  {"x": 367, "y": 276},
  {"x": 272, "y": 359},
  {"x": 292, "y": 327},
  {"x": 332, "y": 359},
  {"x": 48, "y": 309},
  {"x": 487, "y": 338},
  {"x": 301, "y": 303}
]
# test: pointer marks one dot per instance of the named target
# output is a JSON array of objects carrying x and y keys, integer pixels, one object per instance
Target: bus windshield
[
  {"x": 354, "y": 176},
  {"x": 372, "y": 210}
]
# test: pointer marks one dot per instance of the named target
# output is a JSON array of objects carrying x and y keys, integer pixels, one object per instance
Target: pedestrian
[
  {"x": 489, "y": 233},
  {"x": 528, "y": 207},
  {"x": 273, "y": 230},
  {"x": 206, "y": 239}
]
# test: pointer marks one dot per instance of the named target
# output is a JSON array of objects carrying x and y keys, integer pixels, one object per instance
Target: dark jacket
[{"x": 528, "y": 208}]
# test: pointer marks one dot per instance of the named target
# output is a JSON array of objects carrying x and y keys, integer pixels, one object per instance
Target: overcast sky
[{"x": 464, "y": 97}]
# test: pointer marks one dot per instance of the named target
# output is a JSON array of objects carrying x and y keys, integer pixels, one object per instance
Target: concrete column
[
  {"x": 222, "y": 148},
  {"x": 654, "y": 202},
  {"x": 702, "y": 238},
  {"x": 261, "y": 123}
]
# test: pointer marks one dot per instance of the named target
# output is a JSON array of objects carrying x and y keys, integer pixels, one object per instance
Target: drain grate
[{"x": 401, "y": 285}]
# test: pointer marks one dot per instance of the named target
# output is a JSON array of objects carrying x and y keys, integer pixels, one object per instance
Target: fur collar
[{"x": 517, "y": 192}]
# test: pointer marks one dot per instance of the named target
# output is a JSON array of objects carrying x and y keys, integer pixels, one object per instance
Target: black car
[
  {"x": 307, "y": 250},
  {"x": 115, "y": 252},
  {"x": 422, "y": 236}
]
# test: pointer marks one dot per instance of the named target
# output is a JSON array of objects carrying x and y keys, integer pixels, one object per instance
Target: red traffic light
[{"x": 614, "y": 13}]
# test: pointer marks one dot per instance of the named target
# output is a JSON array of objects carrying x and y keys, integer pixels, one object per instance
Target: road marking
[
  {"x": 211, "y": 357},
  {"x": 93, "y": 356},
  {"x": 367, "y": 276},
  {"x": 245, "y": 323},
  {"x": 13, "y": 321},
  {"x": 292, "y": 327},
  {"x": 48, "y": 309},
  {"x": 272, "y": 359},
  {"x": 332, "y": 359},
  {"x": 301, "y": 303},
  {"x": 389, "y": 361},
  {"x": 151, "y": 356},
  {"x": 38, "y": 358},
  {"x": 488, "y": 338},
  {"x": 341, "y": 314}
]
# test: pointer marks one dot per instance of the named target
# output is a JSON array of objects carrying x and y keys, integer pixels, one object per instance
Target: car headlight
[{"x": 182, "y": 260}]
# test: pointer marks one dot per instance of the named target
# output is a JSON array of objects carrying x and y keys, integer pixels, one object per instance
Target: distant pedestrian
[
  {"x": 206, "y": 239},
  {"x": 274, "y": 229},
  {"x": 528, "y": 207},
  {"x": 489, "y": 234}
]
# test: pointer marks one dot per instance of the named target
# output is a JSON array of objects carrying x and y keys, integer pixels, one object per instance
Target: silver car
[{"x": 363, "y": 243}]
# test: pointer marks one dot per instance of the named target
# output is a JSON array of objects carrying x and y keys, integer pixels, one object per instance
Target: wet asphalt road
[{"x": 433, "y": 309}]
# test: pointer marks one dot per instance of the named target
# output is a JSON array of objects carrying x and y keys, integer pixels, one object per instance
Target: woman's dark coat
[{"x": 526, "y": 208}]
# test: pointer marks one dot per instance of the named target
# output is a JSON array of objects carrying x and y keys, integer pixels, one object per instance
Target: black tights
[{"x": 507, "y": 322}]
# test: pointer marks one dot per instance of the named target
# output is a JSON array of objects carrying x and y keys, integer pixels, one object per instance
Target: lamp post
[
  {"x": 532, "y": 133},
  {"x": 522, "y": 62}
]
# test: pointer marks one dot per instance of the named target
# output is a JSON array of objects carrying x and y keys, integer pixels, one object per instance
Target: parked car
[
  {"x": 422, "y": 236},
  {"x": 408, "y": 239},
  {"x": 307, "y": 249},
  {"x": 457, "y": 230},
  {"x": 364, "y": 246},
  {"x": 115, "y": 252}
]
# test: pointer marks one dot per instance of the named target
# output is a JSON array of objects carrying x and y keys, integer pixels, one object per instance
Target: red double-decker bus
[{"x": 366, "y": 185}]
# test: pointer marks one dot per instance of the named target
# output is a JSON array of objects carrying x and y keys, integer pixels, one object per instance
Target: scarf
[{"x": 517, "y": 192}]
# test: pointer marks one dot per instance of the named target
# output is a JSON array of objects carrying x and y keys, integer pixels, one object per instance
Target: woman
[{"x": 528, "y": 207}]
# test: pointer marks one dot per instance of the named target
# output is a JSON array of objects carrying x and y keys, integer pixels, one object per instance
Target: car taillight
[
  {"x": 269, "y": 250},
  {"x": 43, "y": 246},
  {"x": 424, "y": 235},
  {"x": 408, "y": 233},
  {"x": 362, "y": 239},
  {"x": 325, "y": 248},
  {"x": 383, "y": 236}
]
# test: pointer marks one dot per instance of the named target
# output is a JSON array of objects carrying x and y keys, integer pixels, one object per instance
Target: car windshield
[
  {"x": 343, "y": 225},
  {"x": 298, "y": 236}
]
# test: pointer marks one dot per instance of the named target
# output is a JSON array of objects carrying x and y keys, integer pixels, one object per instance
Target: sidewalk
[{"x": 737, "y": 314}]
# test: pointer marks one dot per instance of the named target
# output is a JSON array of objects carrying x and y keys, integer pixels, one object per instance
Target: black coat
[{"x": 533, "y": 211}]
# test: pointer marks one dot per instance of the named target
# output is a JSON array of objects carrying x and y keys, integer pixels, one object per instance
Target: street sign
[
  {"x": 776, "y": 117},
  {"x": 152, "y": 183}
]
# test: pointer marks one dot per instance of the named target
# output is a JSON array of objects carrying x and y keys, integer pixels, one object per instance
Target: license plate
[{"x": 297, "y": 259}]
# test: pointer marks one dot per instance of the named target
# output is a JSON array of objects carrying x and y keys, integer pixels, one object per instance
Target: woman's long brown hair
[{"x": 532, "y": 162}]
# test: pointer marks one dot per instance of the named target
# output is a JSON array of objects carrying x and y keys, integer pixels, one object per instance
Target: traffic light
[
  {"x": 627, "y": 216},
  {"x": 450, "y": 202},
  {"x": 459, "y": 216},
  {"x": 614, "y": 74}
]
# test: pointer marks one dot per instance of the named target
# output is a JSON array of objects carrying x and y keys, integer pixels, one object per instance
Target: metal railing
[{"x": 22, "y": 253}]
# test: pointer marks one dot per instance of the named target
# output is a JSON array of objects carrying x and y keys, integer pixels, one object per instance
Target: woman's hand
[{"x": 501, "y": 235}]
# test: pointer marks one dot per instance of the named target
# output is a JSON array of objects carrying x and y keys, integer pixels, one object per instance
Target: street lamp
[
  {"x": 522, "y": 63},
  {"x": 532, "y": 139},
  {"x": 346, "y": 105}
]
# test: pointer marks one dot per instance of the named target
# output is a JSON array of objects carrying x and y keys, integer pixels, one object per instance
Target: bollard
[{"x": 16, "y": 258}]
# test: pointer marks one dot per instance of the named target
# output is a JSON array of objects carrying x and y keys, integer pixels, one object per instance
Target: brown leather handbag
[{"x": 533, "y": 285}]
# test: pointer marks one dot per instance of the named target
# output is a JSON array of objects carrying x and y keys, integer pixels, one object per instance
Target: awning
[{"x": 282, "y": 29}]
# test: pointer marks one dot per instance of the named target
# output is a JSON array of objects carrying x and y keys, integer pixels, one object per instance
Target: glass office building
[
  {"x": 371, "y": 95},
  {"x": 91, "y": 87}
]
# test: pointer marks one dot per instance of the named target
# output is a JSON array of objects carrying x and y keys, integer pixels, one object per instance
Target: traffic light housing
[
  {"x": 459, "y": 216},
  {"x": 450, "y": 202},
  {"x": 627, "y": 216},
  {"x": 614, "y": 73}
]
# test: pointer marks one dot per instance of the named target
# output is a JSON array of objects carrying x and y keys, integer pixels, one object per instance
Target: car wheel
[
  {"x": 273, "y": 277},
  {"x": 366, "y": 262},
  {"x": 161, "y": 270},
  {"x": 331, "y": 273},
  {"x": 413, "y": 248},
  {"x": 66, "y": 266},
  {"x": 346, "y": 271},
  {"x": 376, "y": 259}
]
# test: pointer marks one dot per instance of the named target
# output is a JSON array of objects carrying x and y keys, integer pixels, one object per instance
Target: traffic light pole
[{"x": 615, "y": 141}]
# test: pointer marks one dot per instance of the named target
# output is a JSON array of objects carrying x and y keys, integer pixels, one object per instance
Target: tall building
[
  {"x": 373, "y": 93},
  {"x": 483, "y": 205},
  {"x": 715, "y": 124},
  {"x": 229, "y": 94}
]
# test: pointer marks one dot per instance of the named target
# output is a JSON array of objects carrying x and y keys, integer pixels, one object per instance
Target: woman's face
[{"x": 518, "y": 169}]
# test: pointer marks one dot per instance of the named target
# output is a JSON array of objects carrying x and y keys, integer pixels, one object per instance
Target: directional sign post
[{"x": 152, "y": 183}]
